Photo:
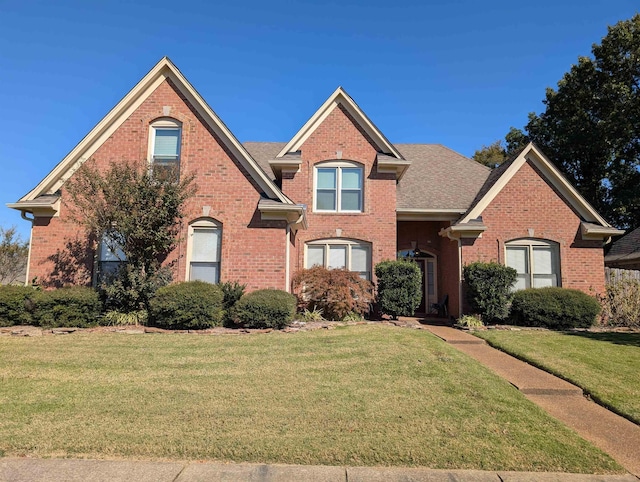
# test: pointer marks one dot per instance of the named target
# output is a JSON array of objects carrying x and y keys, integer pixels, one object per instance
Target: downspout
[
  {"x": 459, "y": 270},
  {"x": 287, "y": 268},
  {"x": 23, "y": 215}
]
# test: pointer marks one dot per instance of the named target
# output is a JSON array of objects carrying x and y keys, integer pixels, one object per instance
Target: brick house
[{"x": 338, "y": 194}]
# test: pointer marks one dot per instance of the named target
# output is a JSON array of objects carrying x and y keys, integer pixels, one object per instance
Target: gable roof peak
[{"x": 341, "y": 97}]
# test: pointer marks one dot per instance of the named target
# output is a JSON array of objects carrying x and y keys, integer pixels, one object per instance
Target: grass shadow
[{"x": 630, "y": 339}]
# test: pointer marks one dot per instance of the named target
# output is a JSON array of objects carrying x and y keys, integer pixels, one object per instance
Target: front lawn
[
  {"x": 605, "y": 365},
  {"x": 361, "y": 395}
]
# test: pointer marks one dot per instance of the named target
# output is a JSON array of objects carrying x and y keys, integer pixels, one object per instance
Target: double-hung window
[
  {"x": 110, "y": 255},
  {"x": 204, "y": 251},
  {"x": 340, "y": 254},
  {"x": 165, "y": 148},
  {"x": 536, "y": 261},
  {"x": 338, "y": 187}
]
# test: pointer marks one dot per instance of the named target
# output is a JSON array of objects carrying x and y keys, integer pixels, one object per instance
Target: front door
[{"x": 427, "y": 263}]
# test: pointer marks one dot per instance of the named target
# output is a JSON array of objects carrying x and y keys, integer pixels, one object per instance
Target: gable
[{"x": 164, "y": 71}]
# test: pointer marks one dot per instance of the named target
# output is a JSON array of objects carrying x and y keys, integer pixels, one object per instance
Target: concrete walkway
[
  {"x": 613, "y": 434},
  {"x": 69, "y": 470}
]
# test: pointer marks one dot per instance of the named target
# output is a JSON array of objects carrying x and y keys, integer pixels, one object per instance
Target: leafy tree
[
  {"x": 495, "y": 154},
  {"x": 14, "y": 253},
  {"x": 136, "y": 212},
  {"x": 591, "y": 126}
]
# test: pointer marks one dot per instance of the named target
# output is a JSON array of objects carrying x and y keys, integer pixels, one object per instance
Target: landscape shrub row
[{"x": 490, "y": 295}]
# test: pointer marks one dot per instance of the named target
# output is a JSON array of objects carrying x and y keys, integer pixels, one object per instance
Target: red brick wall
[
  {"x": 253, "y": 252},
  {"x": 526, "y": 203},
  {"x": 377, "y": 224}
]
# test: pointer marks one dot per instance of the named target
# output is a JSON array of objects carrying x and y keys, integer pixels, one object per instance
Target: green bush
[
  {"x": 13, "y": 305},
  {"x": 77, "y": 306},
  {"x": 266, "y": 309},
  {"x": 119, "y": 318},
  {"x": 556, "y": 308},
  {"x": 188, "y": 305},
  {"x": 231, "y": 293},
  {"x": 399, "y": 287},
  {"x": 336, "y": 292},
  {"x": 488, "y": 289}
]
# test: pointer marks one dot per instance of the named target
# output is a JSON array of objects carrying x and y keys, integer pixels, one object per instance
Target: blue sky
[{"x": 457, "y": 72}]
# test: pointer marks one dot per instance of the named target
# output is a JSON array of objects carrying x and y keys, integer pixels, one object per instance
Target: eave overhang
[
  {"x": 392, "y": 165},
  {"x": 473, "y": 229},
  {"x": 289, "y": 164},
  {"x": 596, "y": 232},
  {"x": 413, "y": 214},
  {"x": 295, "y": 215},
  {"x": 43, "y": 206}
]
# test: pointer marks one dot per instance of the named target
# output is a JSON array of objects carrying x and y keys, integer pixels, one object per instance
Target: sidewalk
[
  {"x": 613, "y": 434},
  {"x": 70, "y": 470}
]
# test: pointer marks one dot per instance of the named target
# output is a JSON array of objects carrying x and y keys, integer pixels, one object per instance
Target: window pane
[
  {"x": 326, "y": 200},
  {"x": 521, "y": 282},
  {"x": 518, "y": 259},
  {"x": 110, "y": 248},
  {"x": 206, "y": 244},
  {"x": 351, "y": 201},
  {"x": 359, "y": 258},
  {"x": 167, "y": 143},
  {"x": 208, "y": 272},
  {"x": 430, "y": 278},
  {"x": 337, "y": 257},
  {"x": 544, "y": 280},
  {"x": 351, "y": 178},
  {"x": 542, "y": 260},
  {"x": 326, "y": 178},
  {"x": 315, "y": 256}
]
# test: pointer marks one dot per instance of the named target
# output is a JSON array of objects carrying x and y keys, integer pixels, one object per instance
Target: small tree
[
  {"x": 14, "y": 253},
  {"x": 399, "y": 287},
  {"x": 139, "y": 214},
  {"x": 489, "y": 289}
]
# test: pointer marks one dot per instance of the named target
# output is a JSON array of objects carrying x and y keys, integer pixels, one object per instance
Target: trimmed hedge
[
  {"x": 13, "y": 300},
  {"x": 77, "y": 306},
  {"x": 488, "y": 289},
  {"x": 399, "y": 287},
  {"x": 188, "y": 305},
  {"x": 555, "y": 308},
  {"x": 266, "y": 309}
]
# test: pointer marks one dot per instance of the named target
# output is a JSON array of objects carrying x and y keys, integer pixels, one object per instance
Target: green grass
[
  {"x": 361, "y": 395},
  {"x": 604, "y": 365}
]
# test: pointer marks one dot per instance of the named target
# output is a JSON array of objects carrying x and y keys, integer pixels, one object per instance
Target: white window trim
[
  {"x": 160, "y": 124},
  {"x": 208, "y": 223},
  {"x": 531, "y": 243},
  {"x": 349, "y": 243},
  {"x": 338, "y": 165}
]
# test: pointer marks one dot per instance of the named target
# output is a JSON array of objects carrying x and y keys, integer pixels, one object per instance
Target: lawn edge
[{"x": 586, "y": 392}]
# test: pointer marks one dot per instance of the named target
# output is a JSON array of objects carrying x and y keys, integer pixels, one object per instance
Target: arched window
[
  {"x": 339, "y": 253},
  {"x": 203, "y": 251},
  {"x": 165, "y": 138},
  {"x": 338, "y": 187},
  {"x": 537, "y": 262}
]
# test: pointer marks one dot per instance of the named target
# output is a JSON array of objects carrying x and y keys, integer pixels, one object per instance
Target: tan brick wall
[
  {"x": 377, "y": 224},
  {"x": 253, "y": 251},
  {"x": 526, "y": 203}
]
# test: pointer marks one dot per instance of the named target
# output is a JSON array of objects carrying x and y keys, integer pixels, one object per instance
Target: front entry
[{"x": 427, "y": 263}]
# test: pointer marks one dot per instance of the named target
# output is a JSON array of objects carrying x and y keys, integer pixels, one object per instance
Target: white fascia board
[
  {"x": 409, "y": 214},
  {"x": 339, "y": 96}
]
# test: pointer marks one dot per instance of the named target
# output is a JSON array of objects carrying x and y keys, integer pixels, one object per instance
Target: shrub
[
  {"x": 470, "y": 321},
  {"x": 399, "y": 287},
  {"x": 188, "y": 305},
  {"x": 13, "y": 301},
  {"x": 312, "y": 315},
  {"x": 129, "y": 289},
  {"x": 266, "y": 309},
  {"x": 556, "y": 308},
  {"x": 118, "y": 318},
  {"x": 77, "y": 306},
  {"x": 621, "y": 303},
  {"x": 488, "y": 289},
  {"x": 231, "y": 293},
  {"x": 337, "y": 292}
]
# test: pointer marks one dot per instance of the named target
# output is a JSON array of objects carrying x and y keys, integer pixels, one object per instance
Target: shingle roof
[
  {"x": 627, "y": 248},
  {"x": 438, "y": 178}
]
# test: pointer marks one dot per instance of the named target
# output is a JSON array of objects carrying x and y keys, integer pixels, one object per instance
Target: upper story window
[
  {"x": 537, "y": 262},
  {"x": 338, "y": 187},
  {"x": 165, "y": 140}
]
